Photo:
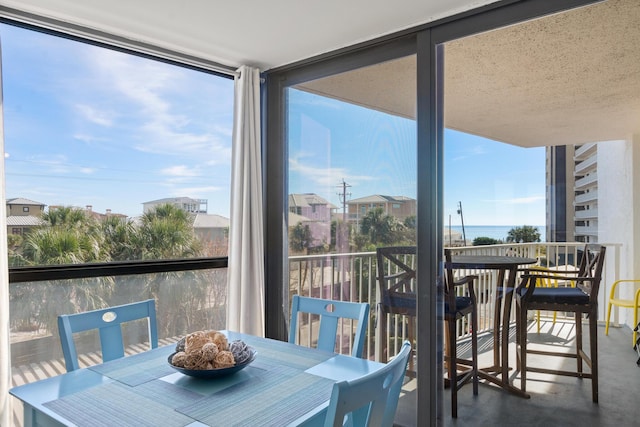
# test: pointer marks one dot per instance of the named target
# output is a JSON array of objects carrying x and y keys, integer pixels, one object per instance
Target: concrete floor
[{"x": 555, "y": 400}]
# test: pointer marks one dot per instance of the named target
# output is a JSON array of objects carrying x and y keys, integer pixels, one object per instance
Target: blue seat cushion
[
  {"x": 407, "y": 301},
  {"x": 461, "y": 304},
  {"x": 400, "y": 300},
  {"x": 558, "y": 295}
]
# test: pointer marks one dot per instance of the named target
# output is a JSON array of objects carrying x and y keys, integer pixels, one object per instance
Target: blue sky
[
  {"x": 497, "y": 183},
  {"x": 90, "y": 126}
]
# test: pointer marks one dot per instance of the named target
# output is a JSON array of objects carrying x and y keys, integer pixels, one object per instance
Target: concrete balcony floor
[{"x": 555, "y": 400}]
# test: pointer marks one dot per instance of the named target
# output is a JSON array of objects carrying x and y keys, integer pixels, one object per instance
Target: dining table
[
  {"x": 507, "y": 269},
  {"x": 285, "y": 385}
]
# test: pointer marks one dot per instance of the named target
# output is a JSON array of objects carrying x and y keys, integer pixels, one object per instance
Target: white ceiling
[{"x": 262, "y": 33}]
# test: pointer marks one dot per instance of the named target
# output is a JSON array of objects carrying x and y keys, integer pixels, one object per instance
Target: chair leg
[
  {"x": 382, "y": 344},
  {"x": 635, "y": 322},
  {"x": 579, "y": 342},
  {"x": 453, "y": 366},
  {"x": 412, "y": 336},
  {"x": 606, "y": 323},
  {"x": 474, "y": 350},
  {"x": 522, "y": 336},
  {"x": 593, "y": 341},
  {"x": 518, "y": 333}
]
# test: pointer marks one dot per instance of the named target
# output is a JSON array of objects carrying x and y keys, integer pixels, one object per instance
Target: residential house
[
  {"x": 400, "y": 207},
  {"x": 315, "y": 212},
  {"x": 187, "y": 204},
  {"x": 213, "y": 232},
  {"x": 23, "y": 215}
]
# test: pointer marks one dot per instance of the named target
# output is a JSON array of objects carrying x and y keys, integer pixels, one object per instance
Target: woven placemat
[
  {"x": 116, "y": 404},
  {"x": 138, "y": 368},
  {"x": 276, "y": 397}
]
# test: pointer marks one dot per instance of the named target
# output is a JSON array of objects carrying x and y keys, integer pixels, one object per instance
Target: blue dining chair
[
  {"x": 370, "y": 400},
  {"x": 330, "y": 313},
  {"x": 109, "y": 323}
]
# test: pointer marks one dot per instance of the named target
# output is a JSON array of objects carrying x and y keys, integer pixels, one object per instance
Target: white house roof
[
  {"x": 308, "y": 199},
  {"x": 172, "y": 200},
  {"x": 23, "y": 221},
  {"x": 23, "y": 201},
  {"x": 210, "y": 221},
  {"x": 295, "y": 219}
]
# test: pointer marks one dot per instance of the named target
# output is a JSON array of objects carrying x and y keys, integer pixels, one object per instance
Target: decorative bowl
[{"x": 213, "y": 373}]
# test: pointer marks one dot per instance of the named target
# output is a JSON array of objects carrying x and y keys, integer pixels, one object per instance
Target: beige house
[
  {"x": 23, "y": 214},
  {"x": 400, "y": 207}
]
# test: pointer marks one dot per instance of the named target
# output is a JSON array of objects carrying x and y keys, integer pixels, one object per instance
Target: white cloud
[
  {"x": 179, "y": 171},
  {"x": 326, "y": 176},
  {"x": 471, "y": 151},
  {"x": 152, "y": 99},
  {"x": 98, "y": 117}
]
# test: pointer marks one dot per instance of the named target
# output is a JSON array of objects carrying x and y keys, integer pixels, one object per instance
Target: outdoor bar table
[
  {"x": 286, "y": 384},
  {"x": 507, "y": 267}
]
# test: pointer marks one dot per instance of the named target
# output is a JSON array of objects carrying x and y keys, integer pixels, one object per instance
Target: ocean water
[{"x": 498, "y": 232}]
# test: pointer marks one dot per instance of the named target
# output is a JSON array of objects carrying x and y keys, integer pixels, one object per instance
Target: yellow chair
[{"x": 626, "y": 303}]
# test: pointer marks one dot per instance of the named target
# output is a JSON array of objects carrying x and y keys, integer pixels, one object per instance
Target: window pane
[
  {"x": 111, "y": 156},
  {"x": 352, "y": 183}
]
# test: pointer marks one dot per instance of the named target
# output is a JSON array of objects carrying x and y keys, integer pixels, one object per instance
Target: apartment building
[{"x": 572, "y": 193}]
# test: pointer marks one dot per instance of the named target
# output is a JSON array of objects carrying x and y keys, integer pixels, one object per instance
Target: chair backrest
[
  {"x": 330, "y": 313},
  {"x": 591, "y": 266},
  {"x": 449, "y": 280},
  {"x": 466, "y": 296},
  {"x": 370, "y": 400},
  {"x": 397, "y": 279},
  {"x": 109, "y": 323}
]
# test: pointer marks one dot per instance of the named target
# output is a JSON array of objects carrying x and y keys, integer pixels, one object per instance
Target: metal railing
[{"x": 352, "y": 277}]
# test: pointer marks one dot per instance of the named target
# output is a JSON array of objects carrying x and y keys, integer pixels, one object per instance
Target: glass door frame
[{"x": 426, "y": 42}]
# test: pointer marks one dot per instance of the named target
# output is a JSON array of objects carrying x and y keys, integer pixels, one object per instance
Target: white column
[{"x": 619, "y": 212}]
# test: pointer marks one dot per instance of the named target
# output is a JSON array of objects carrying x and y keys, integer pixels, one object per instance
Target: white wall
[{"x": 619, "y": 213}]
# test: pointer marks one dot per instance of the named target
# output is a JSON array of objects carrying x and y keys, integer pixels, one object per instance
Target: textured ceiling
[{"x": 569, "y": 78}]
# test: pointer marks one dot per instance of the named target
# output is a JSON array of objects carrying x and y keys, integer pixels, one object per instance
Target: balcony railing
[
  {"x": 352, "y": 277},
  {"x": 194, "y": 294}
]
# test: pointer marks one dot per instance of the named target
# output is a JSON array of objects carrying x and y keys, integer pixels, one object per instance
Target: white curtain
[
  {"x": 245, "y": 304},
  {"x": 5, "y": 354}
]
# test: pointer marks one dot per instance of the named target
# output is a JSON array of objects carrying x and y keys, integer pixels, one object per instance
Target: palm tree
[
  {"x": 524, "y": 234},
  {"x": 167, "y": 232},
  {"x": 380, "y": 227},
  {"x": 120, "y": 237},
  {"x": 69, "y": 237}
]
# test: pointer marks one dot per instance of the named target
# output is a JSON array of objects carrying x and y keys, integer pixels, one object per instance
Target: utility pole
[
  {"x": 343, "y": 199},
  {"x": 342, "y": 242},
  {"x": 464, "y": 236},
  {"x": 341, "y": 230}
]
